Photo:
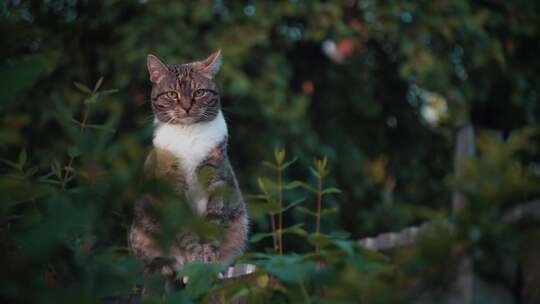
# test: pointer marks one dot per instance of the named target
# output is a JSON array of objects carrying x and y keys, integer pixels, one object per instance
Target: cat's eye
[
  {"x": 172, "y": 94},
  {"x": 199, "y": 93}
]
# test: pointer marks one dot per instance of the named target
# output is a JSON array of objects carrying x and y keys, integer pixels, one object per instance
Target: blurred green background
[{"x": 379, "y": 88}]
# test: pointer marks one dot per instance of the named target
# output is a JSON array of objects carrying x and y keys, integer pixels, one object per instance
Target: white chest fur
[{"x": 191, "y": 144}]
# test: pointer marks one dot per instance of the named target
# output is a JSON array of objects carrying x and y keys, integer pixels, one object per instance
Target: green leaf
[
  {"x": 31, "y": 172},
  {"x": 328, "y": 211},
  {"x": 345, "y": 245},
  {"x": 55, "y": 167},
  {"x": 256, "y": 237},
  {"x": 22, "y": 158},
  {"x": 11, "y": 164},
  {"x": 92, "y": 99},
  {"x": 201, "y": 277},
  {"x": 270, "y": 165},
  {"x": 269, "y": 207},
  {"x": 70, "y": 178},
  {"x": 295, "y": 229},
  {"x": 261, "y": 184},
  {"x": 51, "y": 182},
  {"x": 256, "y": 196},
  {"x": 108, "y": 92},
  {"x": 293, "y": 185},
  {"x": 288, "y": 268},
  {"x": 287, "y": 164},
  {"x": 296, "y": 184},
  {"x": 279, "y": 156},
  {"x": 180, "y": 296},
  {"x": 294, "y": 203},
  {"x": 75, "y": 121},
  {"x": 320, "y": 166},
  {"x": 314, "y": 172},
  {"x": 98, "y": 84},
  {"x": 319, "y": 239},
  {"x": 339, "y": 234},
  {"x": 243, "y": 292},
  {"x": 306, "y": 211},
  {"x": 82, "y": 87},
  {"x": 265, "y": 184},
  {"x": 73, "y": 152},
  {"x": 45, "y": 177},
  {"x": 101, "y": 127},
  {"x": 263, "y": 280},
  {"x": 331, "y": 190}
]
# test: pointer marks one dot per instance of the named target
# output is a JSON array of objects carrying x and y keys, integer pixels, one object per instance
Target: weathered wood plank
[
  {"x": 464, "y": 149},
  {"x": 408, "y": 236}
]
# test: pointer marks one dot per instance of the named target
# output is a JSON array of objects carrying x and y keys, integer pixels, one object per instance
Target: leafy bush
[{"x": 373, "y": 91}]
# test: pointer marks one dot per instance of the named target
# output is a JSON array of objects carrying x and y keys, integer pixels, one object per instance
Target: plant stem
[
  {"x": 66, "y": 175},
  {"x": 273, "y": 222},
  {"x": 304, "y": 291},
  {"x": 85, "y": 118},
  {"x": 274, "y": 236},
  {"x": 280, "y": 203},
  {"x": 318, "y": 217}
]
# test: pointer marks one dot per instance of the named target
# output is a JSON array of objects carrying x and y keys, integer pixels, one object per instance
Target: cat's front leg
[
  {"x": 212, "y": 177},
  {"x": 216, "y": 204},
  {"x": 215, "y": 214}
]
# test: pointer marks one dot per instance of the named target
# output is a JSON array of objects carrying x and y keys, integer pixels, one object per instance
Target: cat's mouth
[{"x": 184, "y": 120}]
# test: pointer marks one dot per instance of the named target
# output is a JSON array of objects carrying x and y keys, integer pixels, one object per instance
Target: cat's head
[{"x": 184, "y": 93}]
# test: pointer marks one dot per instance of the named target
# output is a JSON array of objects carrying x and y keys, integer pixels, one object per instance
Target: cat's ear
[
  {"x": 156, "y": 68},
  {"x": 210, "y": 66}
]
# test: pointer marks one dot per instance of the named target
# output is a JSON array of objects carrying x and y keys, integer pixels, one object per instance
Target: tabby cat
[{"x": 190, "y": 139}]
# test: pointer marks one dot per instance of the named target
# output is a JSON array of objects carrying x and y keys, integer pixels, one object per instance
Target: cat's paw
[
  {"x": 214, "y": 208},
  {"x": 210, "y": 253},
  {"x": 163, "y": 265},
  {"x": 168, "y": 271}
]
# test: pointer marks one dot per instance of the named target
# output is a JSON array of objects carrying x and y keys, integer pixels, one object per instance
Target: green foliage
[
  {"x": 200, "y": 277},
  {"x": 375, "y": 89}
]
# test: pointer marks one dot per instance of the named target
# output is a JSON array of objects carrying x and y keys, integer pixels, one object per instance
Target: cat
[{"x": 190, "y": 141}]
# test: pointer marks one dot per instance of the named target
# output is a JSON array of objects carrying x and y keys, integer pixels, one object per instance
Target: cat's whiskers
[{"x": 171, "y": 119}]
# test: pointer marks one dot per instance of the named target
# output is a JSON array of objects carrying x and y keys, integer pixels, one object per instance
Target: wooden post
[{"x": 464, "y": 149}]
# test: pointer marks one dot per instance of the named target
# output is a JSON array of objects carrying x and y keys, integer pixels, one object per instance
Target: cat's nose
[{"x": 186, "y": 104}]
